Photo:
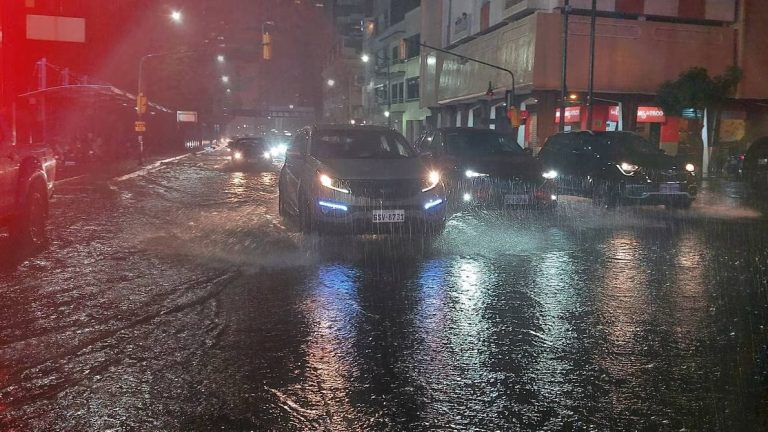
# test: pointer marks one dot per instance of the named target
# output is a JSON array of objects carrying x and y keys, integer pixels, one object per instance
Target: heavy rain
[{"x": 383, "y": 215}]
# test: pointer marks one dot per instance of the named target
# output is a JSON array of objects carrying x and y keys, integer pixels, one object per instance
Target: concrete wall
[
  {"x": 754, "y": 55},
  {"x": 630, "y": 56}
]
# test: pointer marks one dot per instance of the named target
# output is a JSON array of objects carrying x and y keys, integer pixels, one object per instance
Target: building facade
[
  {"x": 392, "y": 81},
  {"x": 638, "y": 45},
  {"x": 343, "y": 71}
]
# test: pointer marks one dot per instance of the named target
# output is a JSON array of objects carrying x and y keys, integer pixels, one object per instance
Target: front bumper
[
  {"x": 500, "y": 194},
  {"x": 346, "y": 213},
  {"x": 658, "y": 193}
]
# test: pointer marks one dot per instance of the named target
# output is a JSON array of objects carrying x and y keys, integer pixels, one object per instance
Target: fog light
[
  {"x": 432, "y": 203},
  {"x": 333, "y": 205},
  {"x": 467, "y": 197}
]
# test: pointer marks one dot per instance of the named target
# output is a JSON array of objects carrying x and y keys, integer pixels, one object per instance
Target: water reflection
[{"x": 333, "y": 313}]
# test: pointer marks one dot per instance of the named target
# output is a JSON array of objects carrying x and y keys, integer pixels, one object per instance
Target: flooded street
[{"x": 180, "y": 300}]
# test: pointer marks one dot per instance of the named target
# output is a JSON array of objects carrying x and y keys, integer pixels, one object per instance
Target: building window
[
  {"x": 412, "y": 47},
  {"x": 412, "y": 88},
  {"x": 381, "y": 95},
  {"x": 395, "y": 55},
  {"x": 398, "y": 90}
]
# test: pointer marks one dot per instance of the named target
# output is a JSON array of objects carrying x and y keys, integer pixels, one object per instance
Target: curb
[{"x": 149, "y": 168}]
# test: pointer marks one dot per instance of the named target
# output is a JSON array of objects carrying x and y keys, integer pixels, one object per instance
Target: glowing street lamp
[
  {"x": 365, "y": 58},
  {"x": 220, "y": 58},
  {"x": 331, "y": 83},
  {"x": 225, "y": 79},
  {"x": 176, "y": 16}
]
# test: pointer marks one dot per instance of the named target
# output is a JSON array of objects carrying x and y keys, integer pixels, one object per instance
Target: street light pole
[
  {"x": 564, "y": 73},
  {"x": 591, "y": 89}
]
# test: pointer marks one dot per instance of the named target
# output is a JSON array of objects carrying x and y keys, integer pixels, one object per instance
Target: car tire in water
[
  {"x": 605, "y": 195},
  {"x": 28, "y": 230},
  {"x": 281, "y": 210},
  {"x": 306, "y": 219}
]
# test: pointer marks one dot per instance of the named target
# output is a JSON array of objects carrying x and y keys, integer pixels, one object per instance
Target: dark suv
[
  {"x": 617, "y": 168},
  {"x": 487, "y": 168}
]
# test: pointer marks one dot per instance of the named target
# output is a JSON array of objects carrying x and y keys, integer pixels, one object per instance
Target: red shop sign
[
  {"x": 650, "y": 114},
  {"x": 613, "y": 113},
  {"x": 572, "y": 114}
]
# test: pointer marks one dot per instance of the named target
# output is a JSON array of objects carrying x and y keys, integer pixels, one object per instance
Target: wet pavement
[{"x": 179, "y": 300}]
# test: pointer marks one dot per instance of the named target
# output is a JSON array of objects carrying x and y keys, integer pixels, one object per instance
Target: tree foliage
[{"x": 694, "y": 88}]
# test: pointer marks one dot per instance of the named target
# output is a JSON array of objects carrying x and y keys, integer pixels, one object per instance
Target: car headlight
[
  {"x": 549, "y": 175},
  {"x": 473, "y": 174},
  {"x": 627, "y": 168},
  {"x": 332, "y": 183},
  {"x": 432, "y": 180},
  {"x": 237, "y": 155},
  {"x": 278, "y": 150},
  {"x": 690, "y": 168}
]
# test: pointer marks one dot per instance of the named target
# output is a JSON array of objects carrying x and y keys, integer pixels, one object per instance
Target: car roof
[
  {"x": 345, "y": 126},
  {"x": 467, "y": 129}
]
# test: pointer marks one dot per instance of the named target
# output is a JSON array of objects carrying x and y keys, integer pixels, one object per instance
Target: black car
[
  {"x": 618, "y": 168},
  {"x": 487, "y": 168},
  {"x": 249, "y": 151},
  {"x": 756, "y": 165}
]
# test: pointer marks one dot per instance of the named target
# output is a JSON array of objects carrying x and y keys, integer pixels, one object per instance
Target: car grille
[
  {"x": 384, "y": 189},
  {"x": 667, "y": 176}
]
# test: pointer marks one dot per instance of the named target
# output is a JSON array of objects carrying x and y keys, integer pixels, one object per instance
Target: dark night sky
[{"x": 300, "y": 36}]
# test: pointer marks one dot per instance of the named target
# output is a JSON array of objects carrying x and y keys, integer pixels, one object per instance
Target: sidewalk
[{"x": 111, "y": 169}]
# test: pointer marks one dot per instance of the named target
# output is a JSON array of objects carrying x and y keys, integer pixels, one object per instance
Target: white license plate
[
  {"x": 669, "y": 188},
  {"x": 388, "y": 216},
  {"x": 516, "y": 199}
]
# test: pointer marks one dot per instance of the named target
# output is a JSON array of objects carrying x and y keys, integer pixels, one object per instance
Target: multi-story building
[
  {"x": 392, "y": 50},
  {"x": 638, "y": 45},
  {"x": 343, "y": 70}
]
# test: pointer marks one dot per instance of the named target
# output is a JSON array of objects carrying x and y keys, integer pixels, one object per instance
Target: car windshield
[
  {"x": 360, "y": 144},
  {"x": 631, "y": 144},
  {"x": 249, "y": 144},
  {"x": 480, "y": 143}
]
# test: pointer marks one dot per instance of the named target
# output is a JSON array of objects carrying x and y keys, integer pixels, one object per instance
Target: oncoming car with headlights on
[
  {"x": 488, "y": 169},
  {"x": 619, "y": 168},
  {"x": 360, "y": 179},
  {"x": 250, "y": 151}
]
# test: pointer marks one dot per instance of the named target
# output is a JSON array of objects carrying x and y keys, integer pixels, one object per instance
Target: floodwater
[{"x": 179, "y": 300}]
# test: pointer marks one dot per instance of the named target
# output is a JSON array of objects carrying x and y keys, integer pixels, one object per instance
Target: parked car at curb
[
  {"x": 360, "y": 179},
  {"x": 756, "y": 165},
  {"x": 487, "y": 168},
  {"x": 26, "y": 185},
  {"x": 618, "y": 168}
]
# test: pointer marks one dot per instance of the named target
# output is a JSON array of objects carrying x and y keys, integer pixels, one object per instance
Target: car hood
[
  {"x": 659, "y": 161},
  {"x": 374, "y": 169},
  {"x": 523, "y": 167}
]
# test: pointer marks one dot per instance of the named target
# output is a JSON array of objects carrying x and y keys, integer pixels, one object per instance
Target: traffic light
[
  {"x": 513, "y": 114},
  {"x": 266, "y": 46},
  {"x": 141, "y": 103}
]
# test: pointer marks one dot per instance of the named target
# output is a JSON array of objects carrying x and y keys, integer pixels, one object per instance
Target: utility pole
[
  {"x": 591, "y": 89},
  {"x": 564, "y": 76}
]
